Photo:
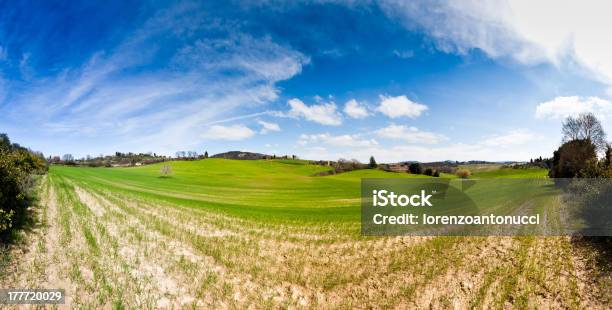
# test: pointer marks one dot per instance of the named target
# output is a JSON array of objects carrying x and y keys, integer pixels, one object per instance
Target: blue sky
[{"x": 324, "y": 80}]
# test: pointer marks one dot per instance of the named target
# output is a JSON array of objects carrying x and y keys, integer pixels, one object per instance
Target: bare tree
[
  {"x": 68, "y": 157},
  {"x": 165, "y": 170},
  {"x": 192, "y": 154},
  {"x": 584, "y": 126}
]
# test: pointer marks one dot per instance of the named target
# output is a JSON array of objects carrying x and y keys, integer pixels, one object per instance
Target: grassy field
[{"x": 228, "y": 234}]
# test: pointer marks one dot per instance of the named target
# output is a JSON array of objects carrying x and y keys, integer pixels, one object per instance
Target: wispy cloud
[
  {"x": 139, "y": 93},
  {"x": 546, "y": 31},
  {"x": 337, "y": 141},
  {"x": 410, "y": 134},
  {"x": 268, "y": 127},
  {"x": 512, "y": 138}
]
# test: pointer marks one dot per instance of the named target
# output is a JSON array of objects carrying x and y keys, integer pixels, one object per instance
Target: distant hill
[{"x": 241, "y": 155}]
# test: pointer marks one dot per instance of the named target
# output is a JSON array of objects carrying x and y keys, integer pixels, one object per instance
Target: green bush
[
  {"x": 17, "y": 165},
  {"x": 415, "y": 168},
  {"x": 573, "y": 159}
]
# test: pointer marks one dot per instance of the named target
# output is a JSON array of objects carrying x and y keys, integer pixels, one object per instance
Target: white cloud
[
  {"x": 529, "y": 32},
  {"x": 232, "y": 133},
  {"x": 561, "y": 107},
  {"x": 354, "y": 109},
  {"x": 410, "y": 134},
  {"x": 324, "y": 113},
  {"x": 268, "y": 127},
  {"x": 337, "y": 141},
  {"x": 399, "y": 106},
  {"x": 514, "y": 137}
]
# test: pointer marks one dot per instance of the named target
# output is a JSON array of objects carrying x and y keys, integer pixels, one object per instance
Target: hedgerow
[{"x": 18, "y": 167}]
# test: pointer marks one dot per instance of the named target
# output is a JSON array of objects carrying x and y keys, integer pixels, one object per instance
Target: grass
[
  {"x": 274, "y": 191},
  {"x": 526, "y": 173},
  {"x": 221, "y": 233}
]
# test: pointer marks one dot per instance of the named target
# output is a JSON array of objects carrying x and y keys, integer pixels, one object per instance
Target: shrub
[
  {"x": 463, "y": 173},
  {"x": 436, "y": 174},
  {"x": 415, "y": 168},
  {"x": 17, "y": 165},
  {"x": 343, "y": 165}
]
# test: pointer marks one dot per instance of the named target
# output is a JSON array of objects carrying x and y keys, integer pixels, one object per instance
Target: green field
[{"x": 224, "y": 233}]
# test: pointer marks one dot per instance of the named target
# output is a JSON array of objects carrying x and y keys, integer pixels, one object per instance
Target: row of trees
[
  {"x": 416, "y": 168},
  {"x": 18, "y": 166},
  {"x": 122, "y": 159}
]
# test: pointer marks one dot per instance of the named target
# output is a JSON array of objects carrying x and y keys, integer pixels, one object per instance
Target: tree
[
  {"x": 415, "y": 168},
  {"x": 68, "y": 158},
  {"x": 573, "y": 158},
  {"x": 428, "y": 172},
  {"x": 205, "y": 154},
  {"x": 192, "y": 154},
  {"x": 608, "y": 156},
  {"x": 5, "y": 142},
  {"x": 373, "y": 163},
  {"x": 584, "y": 127},
  {"x": 436, "y": 174},
  {"x": 180, "y": 154}
]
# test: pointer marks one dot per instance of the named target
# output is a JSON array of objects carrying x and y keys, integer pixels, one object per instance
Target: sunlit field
[{"x": 228, "y": 233}]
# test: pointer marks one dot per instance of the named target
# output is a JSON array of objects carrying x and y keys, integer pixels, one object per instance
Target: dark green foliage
[
  {"x": 608, "y": 156},
  {"x": 373, "y": 163},
  {"x": 436, "y": 174},
  {"x": 428, "y": 172},
  {"x": 415, "y": 168},
  {"x": 17, "y": 165},
  {"x": 573, "y": 159}
]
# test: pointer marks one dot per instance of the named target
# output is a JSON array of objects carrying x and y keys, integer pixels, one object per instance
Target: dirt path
[{"x": 108, "y": 250}]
